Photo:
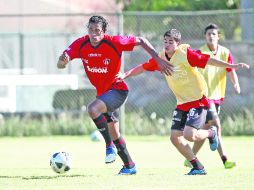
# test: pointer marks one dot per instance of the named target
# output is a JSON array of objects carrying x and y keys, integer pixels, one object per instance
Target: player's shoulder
[
  {"x": 223, "y": 48},
  {"x": 111, "y": 37},
  {"x": 119, "y": 38},
  {"x": 183, "y": 47},
  {"x": 81, "y": 39}
]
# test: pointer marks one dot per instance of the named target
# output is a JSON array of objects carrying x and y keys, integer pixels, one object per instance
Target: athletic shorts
[
  {"x": 213, "y": 112},
  {"x": 195, "y": 118},
  {"x": 113, "y": 100}
]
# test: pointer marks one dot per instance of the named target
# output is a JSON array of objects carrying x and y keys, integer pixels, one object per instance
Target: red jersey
[{"x": 103, "y": 62}]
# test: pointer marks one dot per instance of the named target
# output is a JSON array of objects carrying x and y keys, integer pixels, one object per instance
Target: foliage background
[{"x": 178, "y": 5}]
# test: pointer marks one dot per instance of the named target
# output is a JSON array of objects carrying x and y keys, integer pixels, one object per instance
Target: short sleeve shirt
[{"x": 103, "y": 62}]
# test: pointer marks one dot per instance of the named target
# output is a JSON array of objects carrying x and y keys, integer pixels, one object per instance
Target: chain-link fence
[{"x": 30, "y": 45}]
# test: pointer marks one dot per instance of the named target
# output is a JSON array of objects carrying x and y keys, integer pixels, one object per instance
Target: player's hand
[
  {"x": 63, "y": 60},
  {"x": 64, "y": 57},
  {"x": 120, "y": 77},
  {"x": 243, "y": 65},
  {"x": 165, "y": 67}
]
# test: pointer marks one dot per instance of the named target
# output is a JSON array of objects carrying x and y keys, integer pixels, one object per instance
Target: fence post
[
  {"x": 122, "y": 109},
  {"x": 21, "y": 53},
  {"x": 68, "y": 40}
]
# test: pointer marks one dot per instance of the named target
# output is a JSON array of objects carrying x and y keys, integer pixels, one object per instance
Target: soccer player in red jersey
[
  {"x": 101, "y": 57},
  {"x": 190, "y": 90},
  {"x": 216, "y": 81}
]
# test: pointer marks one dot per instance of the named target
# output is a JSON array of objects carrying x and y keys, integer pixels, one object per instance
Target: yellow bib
[
  {"x": 215, "y": 76},
  {"x": 186, "y": 82}
]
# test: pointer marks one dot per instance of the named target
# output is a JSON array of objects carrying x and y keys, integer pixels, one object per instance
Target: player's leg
[
  {"x": 178, "y": 123},
  {"x": 198, "y": 144},
  {"x": 209, "y": 118},
  {"x": 211, "y": 115},
  {"x": 181, "y": 144},
  {"x": 193, "y": 132},
  {"x": 129, "y": 167},
  {"x": 193, "y": 129},
  {"x": 221, "y": 148},
  {"x": 196, "y": 147},
  {"x": 96, "y": 110},
  {"x": 108, "y": 102},
  {"x": 212, "y": 119}
]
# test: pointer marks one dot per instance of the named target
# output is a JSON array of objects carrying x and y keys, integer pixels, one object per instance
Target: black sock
[
  {"x": 196, "y": 164},
  {"x": 102, "y": 125},
  {"x": 224, "y": 159},
  {"x": 123, "y": 152}
]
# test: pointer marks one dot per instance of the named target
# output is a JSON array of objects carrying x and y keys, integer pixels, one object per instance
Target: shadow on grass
[{"x": 44, "y": 177}]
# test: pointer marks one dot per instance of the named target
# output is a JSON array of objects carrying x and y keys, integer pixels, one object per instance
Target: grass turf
[{"x": 24, "y": 164}]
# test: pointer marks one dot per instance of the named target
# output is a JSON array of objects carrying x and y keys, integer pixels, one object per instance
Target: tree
[{"x": 178, "y": 5}]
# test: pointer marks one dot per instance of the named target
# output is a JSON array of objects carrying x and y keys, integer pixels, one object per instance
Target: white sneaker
[{"x": 111, "y": 153}]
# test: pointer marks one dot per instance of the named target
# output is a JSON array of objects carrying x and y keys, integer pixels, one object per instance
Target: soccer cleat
[
  {"x": 111, "y": 153},
  {"x": 128, "y": 171},
  {"x": 214, "y": 141},
  {"x": 195, "y": 171},
  {"x": 229, "y": 165},
  {"x": 187, "y": 164}
]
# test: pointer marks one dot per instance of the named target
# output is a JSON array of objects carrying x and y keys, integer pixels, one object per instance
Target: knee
[
  {"x": 92, "y": 110},
  {"x": 189, "y": 136},
  {"x": 175, "y": 140}
]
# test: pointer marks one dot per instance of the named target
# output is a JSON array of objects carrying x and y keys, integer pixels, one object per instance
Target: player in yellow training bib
[
  {"x": 190, "y": 90},
  {"x": 216, "y": 82}
]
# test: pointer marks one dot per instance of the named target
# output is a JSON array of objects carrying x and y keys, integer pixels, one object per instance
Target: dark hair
[
  {"x": 212, "y": 26},
  {"x": 99, "y": 20},
  {"x": 174, "y": 33}
]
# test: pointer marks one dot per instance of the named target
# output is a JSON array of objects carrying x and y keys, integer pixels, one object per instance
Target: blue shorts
[
  {"x": 213, "y": 112},
  {"x": 113, "y": 100},
  {"x": 195, "y": 118}
]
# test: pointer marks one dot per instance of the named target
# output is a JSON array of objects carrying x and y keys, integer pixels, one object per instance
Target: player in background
[
  {"x": 190, "y": 90},
  {"x": 101, "y": 57},
  {"x": 216, "y": 81}
]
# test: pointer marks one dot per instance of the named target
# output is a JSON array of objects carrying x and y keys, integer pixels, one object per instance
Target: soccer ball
[
  {"x": 96, "y": 136},
  {"x": 60, "y": 162}
]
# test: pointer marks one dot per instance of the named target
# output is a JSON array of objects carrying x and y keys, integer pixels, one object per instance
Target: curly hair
[
  {"x": 174, "y": 33},
  {"x": 99, "y": 20}
]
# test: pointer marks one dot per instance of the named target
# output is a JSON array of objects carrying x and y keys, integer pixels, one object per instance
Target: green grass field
[{"x": 24, "y": 165}]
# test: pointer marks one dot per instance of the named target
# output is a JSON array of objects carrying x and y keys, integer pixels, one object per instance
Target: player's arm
[
  {"x": 70, "y": 53},
  {"x": 219, "y": 63},
  {"x": 233, "y": 76},
  {"x": 234, "y": 79},
  {"x": 150, "y": 65},
  {"x": 165, "y": 67},
  {"x": 63, "y": 60},
  {"x": 198, "y": 59},
  {"x": 133, "y": 72}
]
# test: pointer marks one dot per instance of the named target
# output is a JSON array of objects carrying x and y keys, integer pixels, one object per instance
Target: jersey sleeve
[
  {"x": 230, "y": 61},
  {"x": 151, "y": 65},
  {"x": 73, "y": 49},
  {"x": 196, "y": 58},
  {"x": 126, "y": 43}
]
